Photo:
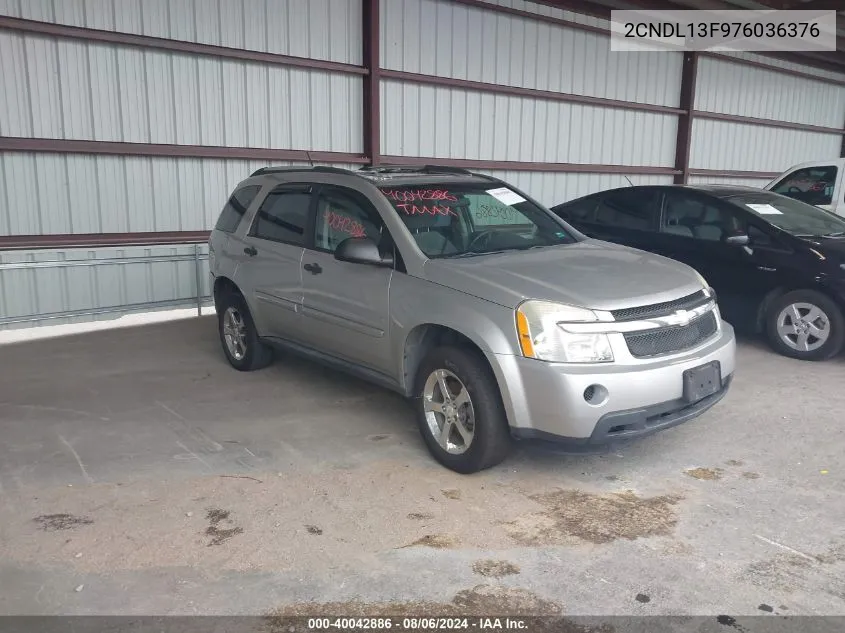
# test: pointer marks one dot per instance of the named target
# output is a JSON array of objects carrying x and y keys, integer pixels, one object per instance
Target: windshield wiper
[
  {"x": 835, "y": 234},
  {"x": 472, "y": 254}
]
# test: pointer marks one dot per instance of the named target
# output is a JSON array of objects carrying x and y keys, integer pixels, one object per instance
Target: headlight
[{"x": 542, "y": 334}]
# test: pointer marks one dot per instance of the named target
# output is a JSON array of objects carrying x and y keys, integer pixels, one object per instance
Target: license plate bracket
[{"x": 702, "y": 381}]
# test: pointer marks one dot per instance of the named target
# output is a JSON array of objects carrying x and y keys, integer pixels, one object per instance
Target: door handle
[
  {"x": 251, "y": 251},
  {"x": 314, "y": 269}
]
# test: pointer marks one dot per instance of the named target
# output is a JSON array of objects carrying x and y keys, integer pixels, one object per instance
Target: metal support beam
[
  {"x": 372, "y": 97},
  {"x": 689, "y": 72}
]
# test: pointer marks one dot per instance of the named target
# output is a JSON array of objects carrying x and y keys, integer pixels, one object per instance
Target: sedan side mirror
[
  {"x": 738, "y": 240},
  {"x": 361, "y": 250}
]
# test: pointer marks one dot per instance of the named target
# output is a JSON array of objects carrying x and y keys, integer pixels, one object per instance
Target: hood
[{"x": 590, "y": 274}]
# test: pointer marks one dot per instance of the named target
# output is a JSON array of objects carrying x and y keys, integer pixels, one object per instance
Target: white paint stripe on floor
[{"x": 786, "y": 547}]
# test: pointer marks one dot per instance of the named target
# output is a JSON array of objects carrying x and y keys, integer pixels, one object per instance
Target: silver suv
[{"x": 496, "y": 318}]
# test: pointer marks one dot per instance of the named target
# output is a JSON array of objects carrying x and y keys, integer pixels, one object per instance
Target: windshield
[
  {"x": 797, "y": 218},
  {"x": 452, "y": 220}
]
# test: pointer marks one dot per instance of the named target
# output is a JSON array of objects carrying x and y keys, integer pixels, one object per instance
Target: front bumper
[{"x": 546, "y": 400}]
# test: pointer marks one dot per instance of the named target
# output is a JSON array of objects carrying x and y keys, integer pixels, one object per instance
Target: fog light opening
[{"x": 595, "y": 395}]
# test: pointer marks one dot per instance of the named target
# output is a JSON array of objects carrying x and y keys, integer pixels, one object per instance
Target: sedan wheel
[{"x": 803, "y": 326}]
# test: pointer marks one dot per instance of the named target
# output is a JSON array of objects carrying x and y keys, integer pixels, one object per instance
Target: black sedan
[{"x": 777, "y": 265}]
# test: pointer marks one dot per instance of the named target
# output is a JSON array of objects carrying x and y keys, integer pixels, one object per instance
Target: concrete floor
[{"x": 140, "y": 474}]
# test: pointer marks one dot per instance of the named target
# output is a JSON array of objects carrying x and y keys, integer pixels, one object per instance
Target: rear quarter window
[{"x": 235, "y": 209}]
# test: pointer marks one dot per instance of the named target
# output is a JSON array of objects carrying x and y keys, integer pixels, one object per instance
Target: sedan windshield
[
  {"x": 451, "y": 220},
  {"x": 792, "y": 216}
]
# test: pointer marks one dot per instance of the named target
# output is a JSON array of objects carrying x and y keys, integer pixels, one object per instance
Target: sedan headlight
[{"x": 541, "y": 326}]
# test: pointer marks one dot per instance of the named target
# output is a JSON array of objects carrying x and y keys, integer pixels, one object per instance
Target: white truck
[{"x": 820, "y": 183}]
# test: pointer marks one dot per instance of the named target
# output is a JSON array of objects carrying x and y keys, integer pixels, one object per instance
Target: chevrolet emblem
[{"x": 682, "y": 317}]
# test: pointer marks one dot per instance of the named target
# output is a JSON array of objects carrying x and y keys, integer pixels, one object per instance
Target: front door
[
  {"x": 693, "y": 230},
  {"x": 346, "y": 306},
  {"x": 270, "y": 271}
]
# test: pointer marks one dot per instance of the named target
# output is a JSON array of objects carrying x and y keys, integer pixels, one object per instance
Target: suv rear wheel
[
  {"x": 459, "y": 411},
  {"x": 805, "y": 324},
  {"x": 244, "y": 350}
]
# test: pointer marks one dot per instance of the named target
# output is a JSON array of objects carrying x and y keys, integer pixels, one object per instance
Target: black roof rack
[
  {"x": 318, "y": 168},
  {"x": 416, "y": 169}
]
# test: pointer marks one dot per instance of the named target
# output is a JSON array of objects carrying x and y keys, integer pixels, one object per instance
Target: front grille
[
  {"x": 661, "y": 309},
  {"x": 672, "y": 339}
]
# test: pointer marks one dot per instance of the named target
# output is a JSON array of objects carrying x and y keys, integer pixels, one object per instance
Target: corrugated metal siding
[
  {"x": 758, "y": 183},
  {"x": 786, "y": 65},
  {"x": 544, "y": 9},
  {"x": 71, "y": 90},
  {"x": 42, "y": 291},
  {"x": 551, "y": 188},
  {"x": 455, "y": 123},
  {"x": 748, "y": 91},
  {"x": 114, "y": 194},
  {"x": 730, "y": 88},
  {"x": 438, "y": 37},
  {"x": 739, "y": 146},
  {"x": 320, "y": 29}
]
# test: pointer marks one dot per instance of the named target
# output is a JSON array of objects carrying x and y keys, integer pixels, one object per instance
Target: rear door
[
  {"x": 270, "y": 268},
  {"x": 225, "y": 251},
  {"x": 345, "y": 305},
  {"x": 626, "y": 216},
  {"x": 819, "y": 185}
]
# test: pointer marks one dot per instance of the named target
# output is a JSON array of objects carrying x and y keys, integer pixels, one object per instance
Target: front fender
[{"x": 415, "y": 302}]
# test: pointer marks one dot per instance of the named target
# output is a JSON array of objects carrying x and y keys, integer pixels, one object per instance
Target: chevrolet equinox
[{"x": 495, "y": 317}]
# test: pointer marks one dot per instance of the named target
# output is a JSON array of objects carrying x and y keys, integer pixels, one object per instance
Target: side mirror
[
  {"x": 361, "y": 250},
  {"x": 738, "y": 240}
]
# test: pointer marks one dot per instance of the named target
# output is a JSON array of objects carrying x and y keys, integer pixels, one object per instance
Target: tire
[
  {"x": 255, "y": 354},
  {"x": 781, "y": 325},
  {"x": 466, "y": 371}
]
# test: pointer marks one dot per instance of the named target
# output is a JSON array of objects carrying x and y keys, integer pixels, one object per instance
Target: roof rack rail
[
  {"x": 318, "y": 168},
  {"x": 425, "y": 169}
]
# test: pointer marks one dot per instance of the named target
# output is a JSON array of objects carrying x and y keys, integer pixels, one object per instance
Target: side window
[
  {"x": 235, "y": 209},
  {"x": 699, "y": 219},
  {"x": 759, "y": 237},
  {"x": 283, "y": 216},
  {"x": 579, "y": 210},
  {"x": 635, "y": 209},
  {"x": 341, "y": 215},
  {"x": 813, "y": 185}
]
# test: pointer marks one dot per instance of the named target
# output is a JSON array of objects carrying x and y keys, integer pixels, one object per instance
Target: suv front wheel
[
  {"x": 244, "y": 350},
  {"x": 459, "y": 411}
]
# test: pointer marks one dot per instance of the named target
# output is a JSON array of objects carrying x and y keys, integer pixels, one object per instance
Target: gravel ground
[{"x": 139, "y": 474}]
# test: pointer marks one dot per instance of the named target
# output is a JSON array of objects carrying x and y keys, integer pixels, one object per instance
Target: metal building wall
[
  {"x": 316, "y": 29},
  {"x": 71, "y": 90},
  {"x": 446, "y": 39},
  {"x": 524, "y": 91},
  {"x": 728, "y": 88},
  {"x": 57, "y": 88}
]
